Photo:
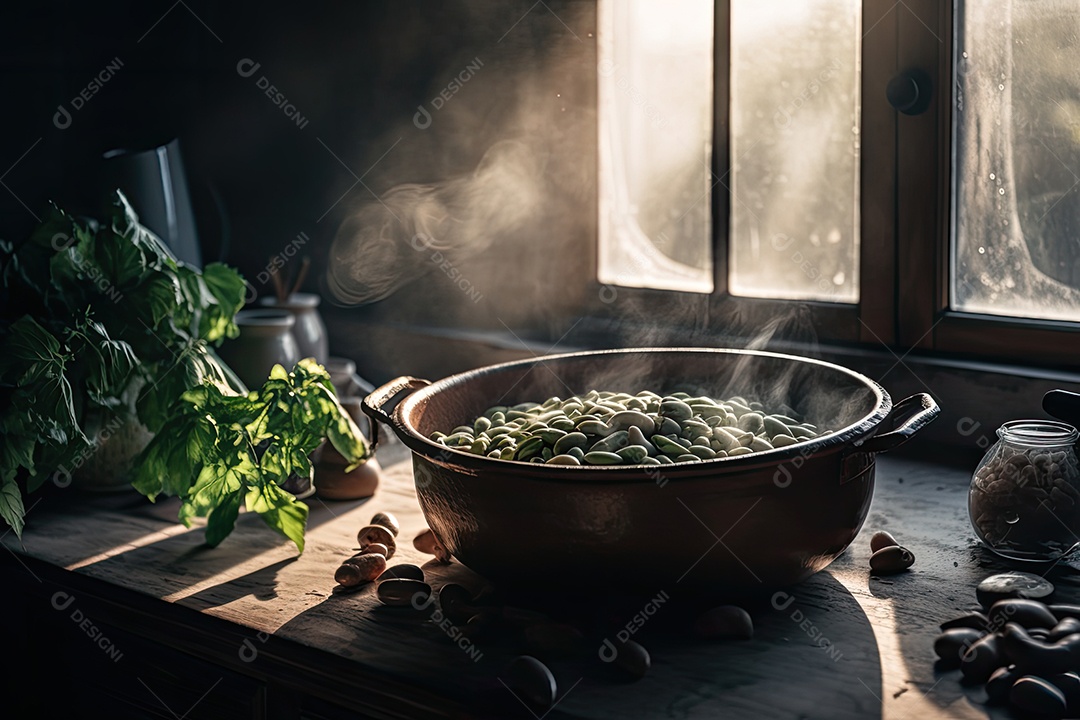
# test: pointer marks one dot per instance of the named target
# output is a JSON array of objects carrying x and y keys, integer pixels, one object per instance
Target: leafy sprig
[
  {"x": 90, "y": 310},
  {"x": 222, "y": 450}
]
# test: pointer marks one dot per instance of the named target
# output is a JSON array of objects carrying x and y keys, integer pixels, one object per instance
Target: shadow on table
[
  {"x": 167, "y": 565},
  {"x": 813, "y": 655}
]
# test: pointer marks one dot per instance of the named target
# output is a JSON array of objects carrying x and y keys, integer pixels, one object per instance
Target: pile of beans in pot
[{"x": 610, "y": 428}]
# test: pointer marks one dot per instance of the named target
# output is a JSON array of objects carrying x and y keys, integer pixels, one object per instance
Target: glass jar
[{"x": 1024, "y": 500}]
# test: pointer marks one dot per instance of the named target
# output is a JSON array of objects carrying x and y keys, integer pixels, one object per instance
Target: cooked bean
[
  {"x": 610, "y": 423},
  {"x": 705, "y": 453},
  {"x": 666, "y": 446},
  {"x": 573, "y": 439},
  {"x": 632, "y": 454},
  {"x": 602, "y": 458},
  {"x": 758, "y": 444},
  {"x": 676, "y": 410},
  {"x": 612, "y": 443},
  {"x": 632, "y": 418},
  {"x": 752, "y": 422},
  {"x": 563, "y": 460}
]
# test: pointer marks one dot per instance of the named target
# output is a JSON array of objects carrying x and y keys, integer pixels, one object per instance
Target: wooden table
[{"x": 154, "y": 624}]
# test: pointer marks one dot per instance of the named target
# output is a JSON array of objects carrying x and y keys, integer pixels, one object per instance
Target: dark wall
[{"x": 356, "y": 72}]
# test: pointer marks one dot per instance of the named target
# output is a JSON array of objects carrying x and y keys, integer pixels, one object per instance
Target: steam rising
[{"x": 387, "y": 244}]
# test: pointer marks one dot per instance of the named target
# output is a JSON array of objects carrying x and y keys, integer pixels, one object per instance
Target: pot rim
[{"x": 844, "y": 438}]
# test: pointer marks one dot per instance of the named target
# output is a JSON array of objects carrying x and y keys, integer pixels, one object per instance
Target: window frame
[
  {"x": 905, "y": 220},
  {"x": 926, "y": 184}
]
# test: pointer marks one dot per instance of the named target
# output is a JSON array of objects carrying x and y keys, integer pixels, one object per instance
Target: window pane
[
  {"x": 655, "y": 100},
  {"x": 795, "y": 149},
  {"x": 1016, "y": 240}
]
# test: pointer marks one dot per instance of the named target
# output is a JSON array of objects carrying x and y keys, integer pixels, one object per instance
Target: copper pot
[{"x": 737, "y": 525}]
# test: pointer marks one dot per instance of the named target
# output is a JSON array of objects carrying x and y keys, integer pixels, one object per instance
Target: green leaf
[
  {"x": 110, "y": 364},
  {"x": 346, "y": 438},
  {"x": 125, "y": 222},
  {"x": 122, "y": 262},
  {"x": 160, "y": 296},
  {"x": 279, "y": 510},
  {"x": 73, "y": 272},
  {"x": 222, "y": 518},
  {"x": 28, "y": 340},
  {"x": 11, "y": 506},
  {"x": 216, "y": 482},
  {"x": 227, "y": 288},
  {"x": 165, "y": 465}
]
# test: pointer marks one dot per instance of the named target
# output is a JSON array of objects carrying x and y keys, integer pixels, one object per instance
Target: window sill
[{"x": 975, "y": 397}]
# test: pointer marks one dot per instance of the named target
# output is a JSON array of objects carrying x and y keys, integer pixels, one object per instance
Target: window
[{"x": 770, "y": 167}]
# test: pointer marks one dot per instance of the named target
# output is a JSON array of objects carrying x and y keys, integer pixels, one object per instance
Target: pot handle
[
  {"x": 926, "y": 411},
  {"x": 374, "y": 404}
]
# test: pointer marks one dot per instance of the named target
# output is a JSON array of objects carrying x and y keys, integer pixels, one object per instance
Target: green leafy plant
[
  {"x": 99, "y": 319},
  {"x": 222, "y": 450}
]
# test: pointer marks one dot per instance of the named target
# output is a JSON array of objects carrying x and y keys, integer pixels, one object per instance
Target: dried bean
[
  {"x": 1069, "y": 685},
  {"x": 377, "y": 549},
  {"x": 531, "y": 680},
  {"x": 376, "y": 534},
  {"x": 404, "y": 571},
  {"x": 882, "y": 539},
  {"x": 403, "y": 592},
  {"x": 1000, "y": 682},
  {"x": 360, "y": 569},
  {"x": 1013, "y": 584},
  {"x": 1035, "y": 695},
  {"x": 456, "y": 603},
  {"x": 981, "y": 659},
  {"x": 1032, "y": 655},
  {"x": 951, "y": 645},
  {"x": 1064, "y": 628},
  {"x": 387, "y": 520},
  {"x": 1026, "y": 613},
  {"x": 890, "y": 560},
  {"x": 724, "y": 622}
]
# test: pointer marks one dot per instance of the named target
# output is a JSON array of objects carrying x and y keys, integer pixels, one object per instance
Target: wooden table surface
[{"x": 840, "y": 645}]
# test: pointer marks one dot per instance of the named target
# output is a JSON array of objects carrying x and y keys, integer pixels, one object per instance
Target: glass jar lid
[{"x": 1038, "y": 433}]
